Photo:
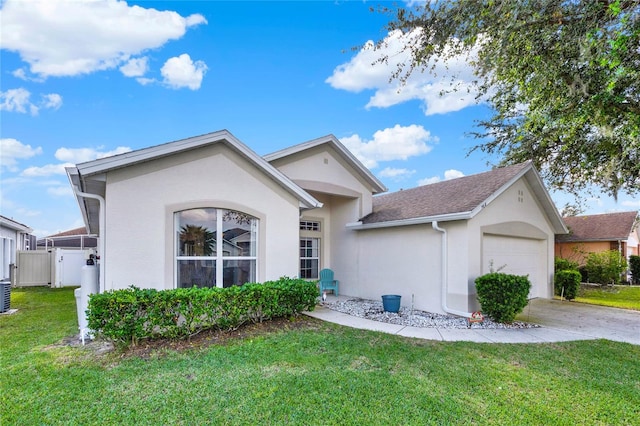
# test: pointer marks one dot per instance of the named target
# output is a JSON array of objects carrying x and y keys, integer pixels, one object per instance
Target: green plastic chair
[{"x": 327, "y": 282}]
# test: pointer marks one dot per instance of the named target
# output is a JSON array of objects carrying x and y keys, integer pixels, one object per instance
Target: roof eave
[
  {"x": 357, "y": 226},
  {"x": 103, "y": 165},
  {"x": 16, "y": 226},
  {"x": 76, "y": 184}
]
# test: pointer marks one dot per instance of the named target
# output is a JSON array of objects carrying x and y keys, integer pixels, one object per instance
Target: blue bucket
[{"x": 391, "y": 303}]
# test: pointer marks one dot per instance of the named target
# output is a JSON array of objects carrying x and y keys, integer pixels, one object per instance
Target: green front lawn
[
  {"x": 326, "y": 374},
  {"x": 619, "y": 296}
]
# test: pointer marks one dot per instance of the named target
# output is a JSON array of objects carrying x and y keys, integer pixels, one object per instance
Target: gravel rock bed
[{"x": 372, "y": 310}]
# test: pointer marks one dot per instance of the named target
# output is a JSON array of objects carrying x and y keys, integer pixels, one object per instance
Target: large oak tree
[{"x": 562, "y": 77}]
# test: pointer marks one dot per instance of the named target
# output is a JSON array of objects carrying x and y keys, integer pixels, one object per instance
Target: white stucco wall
[
  {"x": 516, "y": 213},
  {"x": 141, "y": 202},
  {"x": 322, "y": 170},
  {"x": 407, "y": 260},
  {"x": 403, "y": 260}
]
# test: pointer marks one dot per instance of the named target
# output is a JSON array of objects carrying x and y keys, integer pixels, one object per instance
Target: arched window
[{"x": 215, "y": 247}]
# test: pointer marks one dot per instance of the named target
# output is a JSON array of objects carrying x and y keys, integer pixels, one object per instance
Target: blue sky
[{"x": 82, "y": 80}]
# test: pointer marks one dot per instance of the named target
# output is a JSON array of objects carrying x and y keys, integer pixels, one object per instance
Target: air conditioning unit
[{"x": 5, "y": 295}]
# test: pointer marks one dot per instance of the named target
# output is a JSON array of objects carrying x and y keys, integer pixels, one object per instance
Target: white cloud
[
  {"x": 52, "y": 100},
  {"x": 12, "y": 150},
  {"x": 452, "y": 174},
  {"x": 396, "y": 143},
  {"x": 70, "y": 157},
  {"x": 429, "y": 180},
  {"x": 135, "y": 67},
  {"x": 631, "y": 203},
  {"x": 362, "y": 72},
  {"x": 60, "y": 191},
  {"x": 80, "y": 155},
  {"x": 67, "y": 38},
  {"x": 18, "y": 100},
  {"x": 15, "y": 100},
  {"x": 395, "y": 174},
  {"x": 145, "y": 81},
  {"x": 181, "y": 71},
  {"x": 28, "y": 212},
  {"x": 46, "y": 170},
  {"x": 448, "y": 175}
]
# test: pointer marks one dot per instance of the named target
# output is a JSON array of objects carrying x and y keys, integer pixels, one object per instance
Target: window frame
[
  {"x": 218, "y": 257},
  {"x": 318, "y": 240},
  {"x": 305, "y": 233}
]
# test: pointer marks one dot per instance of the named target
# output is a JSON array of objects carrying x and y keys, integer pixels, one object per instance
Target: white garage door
[{"x": 518, "y": 256}]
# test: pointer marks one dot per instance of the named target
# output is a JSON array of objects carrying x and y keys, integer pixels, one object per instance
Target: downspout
[
  {"x": 101, "y": 230},
  {"x": 445, "y": 274}
]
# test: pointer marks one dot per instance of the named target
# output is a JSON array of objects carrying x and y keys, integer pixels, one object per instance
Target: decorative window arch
[{"x": 215, "y": 247}]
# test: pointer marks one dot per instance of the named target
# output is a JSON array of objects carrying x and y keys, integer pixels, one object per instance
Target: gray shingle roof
[
  {"x": 599, "y": 227},
  {"x": 449, "y": 197}
]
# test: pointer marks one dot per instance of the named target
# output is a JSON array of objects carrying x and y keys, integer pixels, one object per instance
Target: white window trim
[{"x": 219, "y": 258}]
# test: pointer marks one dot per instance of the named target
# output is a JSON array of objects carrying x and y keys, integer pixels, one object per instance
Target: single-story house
[
  {"x": 209, "y": 211},
  {"x": 598, "y": 233},
  {"x": 77, "y": 238},
  {"x": 14, "y": 236}
]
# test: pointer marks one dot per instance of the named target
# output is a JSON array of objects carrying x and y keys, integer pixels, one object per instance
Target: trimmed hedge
[
  {"x": 133, "y": 314},
  {"x": 502, "y": 296},
  {"x": 569, "y": 280}
]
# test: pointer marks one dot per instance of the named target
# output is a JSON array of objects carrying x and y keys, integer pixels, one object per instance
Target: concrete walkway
[{"x": 560, "y": 322}]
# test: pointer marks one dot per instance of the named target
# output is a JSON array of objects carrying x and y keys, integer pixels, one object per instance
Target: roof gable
[
  {"x": 599, "y": 227},
  {"x": 88, "y": 177},
  {"x": 456, "y": 199},
  {"x": 333, "y": 143}
]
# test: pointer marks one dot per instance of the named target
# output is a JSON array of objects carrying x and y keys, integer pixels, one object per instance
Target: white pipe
[
  {"x": 101, "y": 231},
  {"x": 445, "y": 274}
]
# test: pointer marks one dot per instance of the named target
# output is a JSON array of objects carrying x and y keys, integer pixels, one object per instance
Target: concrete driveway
[{"x": 591, "y": 321}]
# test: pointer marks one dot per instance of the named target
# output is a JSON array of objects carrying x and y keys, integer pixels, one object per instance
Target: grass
[
  {"x": 323, "y": 375},
  {"x": 627, "y": 297}
]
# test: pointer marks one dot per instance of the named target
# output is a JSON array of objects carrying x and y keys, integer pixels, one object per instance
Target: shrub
[
  {"x": 634, "y": 266},
  {"x": 502, "y": 296},
  {"x": 567, "y": 283},
  {"x": 584, "y": 274},
  {"x": 605, "y": 267},
  {"x": 133, "y": 314},
  {"x": 562, "y": 264}
]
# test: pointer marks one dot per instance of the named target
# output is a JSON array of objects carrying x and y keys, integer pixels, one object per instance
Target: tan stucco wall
[
  {"x": 141, "y": 201},
  {"x": 578, "y": 252}
]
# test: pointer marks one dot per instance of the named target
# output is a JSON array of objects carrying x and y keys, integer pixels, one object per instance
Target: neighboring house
[
  {"x": 162, "y": 213},
  {"x": 14, "y": 236},
  {"x": 597, "y": 233},
  {"x": 77, "y": 238}
]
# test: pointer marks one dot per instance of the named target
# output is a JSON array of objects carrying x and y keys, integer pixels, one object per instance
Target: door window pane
[{"x": 309, "y": 257}]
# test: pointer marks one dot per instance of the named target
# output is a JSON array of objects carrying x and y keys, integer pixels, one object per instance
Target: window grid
[
  {"x": 309, "y": 225},
  {"x": 234, "y": 264},
  {"x": 309, "y": 257}
]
